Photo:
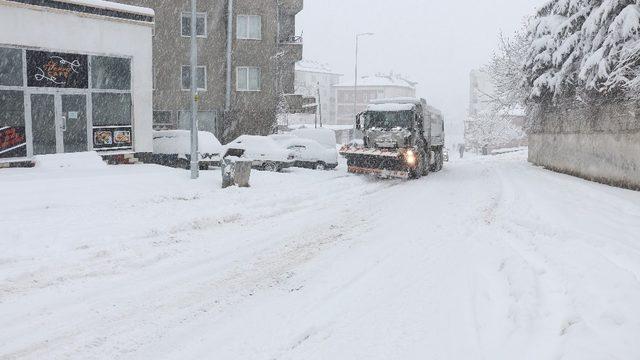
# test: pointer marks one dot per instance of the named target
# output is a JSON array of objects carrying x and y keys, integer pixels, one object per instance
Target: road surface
[{"x": 490, "y": 259}]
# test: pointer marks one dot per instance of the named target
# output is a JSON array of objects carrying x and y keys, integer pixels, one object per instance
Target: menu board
[
  {"x": 105, "y": 138},
  {"x": 58, "y": 70}
]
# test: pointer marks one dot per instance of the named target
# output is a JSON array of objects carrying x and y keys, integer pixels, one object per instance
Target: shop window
[
  {"x": 110, "y": 73},
  {"x": 162, "y": 118},
  {"x": 201, "y": 24},
  {"x": 201, "y": 80},
  {"x": 13, "y": 141},
  {"x": 10, "y": 67},
  {"x": 249, "y": 27},
  {"x": 111, "y": 109},
  {"x": 248, "y": 78}
]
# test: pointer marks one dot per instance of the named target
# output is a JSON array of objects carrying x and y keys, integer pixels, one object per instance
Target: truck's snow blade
[{"x": 385, "y": 163}]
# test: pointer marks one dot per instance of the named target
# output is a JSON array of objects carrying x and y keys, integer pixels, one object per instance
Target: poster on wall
[
  {"x": 13, "y": 142},
  {"x": 58, "y": 70},
  {"x": 105, "y": 138}
]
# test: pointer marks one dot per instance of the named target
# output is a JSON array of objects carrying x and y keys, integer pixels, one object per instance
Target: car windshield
[{"x": 388, "y": 119}]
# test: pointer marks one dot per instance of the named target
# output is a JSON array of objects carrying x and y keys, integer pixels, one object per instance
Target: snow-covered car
[
  {"x": 178, "y": 142},
  {"x": 264, "y": 152},
  {"x": 326, "y": 137},
  {"x": 311, "y": 155}
]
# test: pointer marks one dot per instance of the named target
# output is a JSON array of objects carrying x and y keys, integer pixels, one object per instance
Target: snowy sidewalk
[{"x": 490, "y": 259}]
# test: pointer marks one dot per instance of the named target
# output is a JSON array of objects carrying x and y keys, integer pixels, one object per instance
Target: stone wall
[{"x": 598, "y": 141}]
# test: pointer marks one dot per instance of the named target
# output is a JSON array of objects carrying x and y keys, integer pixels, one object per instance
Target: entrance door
[
  {"x": 73, "y": 119},
  {"x": 43, "y": 119},
  {"x": 59, "y": 123}
]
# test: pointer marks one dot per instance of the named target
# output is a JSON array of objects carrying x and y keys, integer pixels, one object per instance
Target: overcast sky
[{"x": 434, "y": 42}]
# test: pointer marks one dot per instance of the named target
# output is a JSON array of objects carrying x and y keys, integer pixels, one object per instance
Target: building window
[
  {"x": 162, "y": 119},
  {"x": 201, "y": 78},
  {"x": 13, "y": 139},
  {"x": 111, "y": 109},
  {"x": 201, "y": 24},
  {"x": 110, "y": 73},
  {"x": 10, "y": 67},
  {"x": 249, "y": 27},
  {"x": 248, "y": 79}
]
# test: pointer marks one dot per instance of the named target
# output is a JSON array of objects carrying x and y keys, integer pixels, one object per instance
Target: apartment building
[
  {"x": 379, "y": 86},
  {"x": 314, "y": 79},
  {"x": 263, "y": 52}
]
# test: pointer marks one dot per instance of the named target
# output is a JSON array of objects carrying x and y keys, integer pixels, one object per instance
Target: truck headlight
[{"x": 410, "y": 157}]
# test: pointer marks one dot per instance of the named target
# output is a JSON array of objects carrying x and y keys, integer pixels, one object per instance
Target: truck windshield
[{"x": 388, "y": 119}]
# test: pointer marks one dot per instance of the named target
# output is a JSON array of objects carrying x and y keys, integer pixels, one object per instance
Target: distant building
[
  {"x": 369, "y": 88},
  {"x": 481, "y": 91},
  {"x": 264, "y": 50},
  {"x": 313, "y": 77}
]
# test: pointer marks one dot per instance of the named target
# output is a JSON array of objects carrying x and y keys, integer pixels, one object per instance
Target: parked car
[
  {"x": 310, "y": 154},
  {"x": 326, "y": 137},
  {"x": 264, "y": 152},
  {"x": 174, "y": 146}
]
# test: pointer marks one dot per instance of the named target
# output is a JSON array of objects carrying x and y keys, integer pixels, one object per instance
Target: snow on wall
[{"x": 598, "y": 142}]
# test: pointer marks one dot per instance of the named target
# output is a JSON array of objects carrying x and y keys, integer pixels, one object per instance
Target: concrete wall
[
  {"x": 599, "y": 142},
  {"x": 58, "y": 30}
]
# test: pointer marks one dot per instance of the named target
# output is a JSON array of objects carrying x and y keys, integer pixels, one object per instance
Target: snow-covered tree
[
  {"x": 583, "y": 47},
  {"x": 491, "y": 129},
  {"x": 507, "y": 73}
]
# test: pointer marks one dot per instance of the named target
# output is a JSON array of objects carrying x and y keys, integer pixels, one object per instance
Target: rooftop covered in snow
[
  {"x": 311, "y": 66},
  {"x": 380, "y": 80}
]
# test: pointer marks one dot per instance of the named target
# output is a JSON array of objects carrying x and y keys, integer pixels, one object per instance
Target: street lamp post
[
  {"x": 195, "y": 163},
  {"x": 355, "y": 86}
]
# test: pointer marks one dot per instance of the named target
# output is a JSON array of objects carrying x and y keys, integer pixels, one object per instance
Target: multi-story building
[
  {"x": 316, "y": 80},
  {"x": 481, "y": 92},
  {"x": 369, "y": 88},
  {"x": 261, "y": 58}
]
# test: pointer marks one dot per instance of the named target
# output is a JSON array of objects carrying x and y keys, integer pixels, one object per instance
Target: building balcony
[
  {"x": 291, "y": 7},
  {"x": 292, "y": 48}
]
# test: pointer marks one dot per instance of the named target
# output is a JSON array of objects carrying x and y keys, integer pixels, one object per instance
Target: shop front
[{"x": 58, "y": 101}]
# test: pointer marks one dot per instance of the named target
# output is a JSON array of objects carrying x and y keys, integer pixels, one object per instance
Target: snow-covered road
[{"x": 490, "y": 259}]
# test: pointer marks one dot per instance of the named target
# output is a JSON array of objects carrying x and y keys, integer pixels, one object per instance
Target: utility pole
[
  {"x": 355, "y": 86},
  {"x": 319, "y": 111},
  {"x": 195, "y": 159}
]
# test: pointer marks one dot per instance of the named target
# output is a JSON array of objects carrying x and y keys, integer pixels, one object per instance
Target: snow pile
[
  {"x": 584, "y": 45},
  {"x": 390, "y": 107},
  {"x": 81, "y": 160}
]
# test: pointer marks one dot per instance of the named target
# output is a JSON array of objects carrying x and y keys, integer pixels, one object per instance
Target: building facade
[
  {"x": 82, "y": 88},
  {"x": 316, "y": 80},
  {"x": 379, "y": 86},
  {"x": 263, "y": 52}
]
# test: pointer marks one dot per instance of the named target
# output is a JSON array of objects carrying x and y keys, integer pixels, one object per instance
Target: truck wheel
[
  {"x": 425, "y": 164},
  {"x": 418, "y": 171},
  {"x": 320, "y": 166}
]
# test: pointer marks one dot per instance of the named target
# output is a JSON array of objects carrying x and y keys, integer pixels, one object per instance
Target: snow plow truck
[{"x": 402, "y": 138}]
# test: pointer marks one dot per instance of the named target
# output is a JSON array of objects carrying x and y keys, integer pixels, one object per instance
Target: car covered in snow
[
  {"x": 178, "y": 143},
  {"x": 308, "y": 153},
  {"x": 263, "y": 151},
  {"x": 325, "y": 137}
]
